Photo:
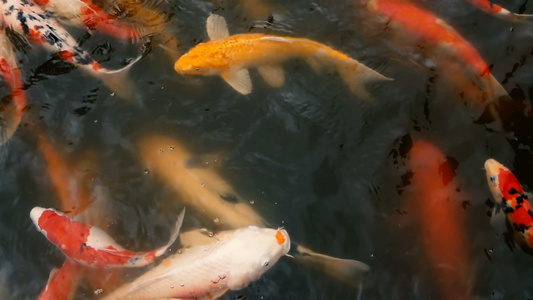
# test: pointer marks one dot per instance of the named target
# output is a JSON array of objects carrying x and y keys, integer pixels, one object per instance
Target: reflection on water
[{"x": 331, "y": 168}]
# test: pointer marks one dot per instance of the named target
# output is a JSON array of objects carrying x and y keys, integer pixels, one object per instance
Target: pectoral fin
[
  {"x": 239, "y": 80},
  {"x": 217, "y": 28},
  {"x": 272, "y": 74}
]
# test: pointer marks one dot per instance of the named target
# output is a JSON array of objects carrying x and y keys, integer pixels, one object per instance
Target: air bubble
[
  {"x": 210, "y": 234},
  {"x": 171, "y": 148},
  {"x": 98, "y": 292},
  {"x": 216, "y": 220}
]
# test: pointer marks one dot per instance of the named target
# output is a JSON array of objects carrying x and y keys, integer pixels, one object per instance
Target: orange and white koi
[
  {"x": 11, "y": 113},
  {"x": 233, "y": 260},
  {"x": 500, "y": 12},
  {"x": 61, "y": 283},
  {"x": 90, "y": 246},
  {"x": 429, "y": 30},
  {"x": 91, "y": 16},
  {"x": 232, "y": 56},
  {"x": 513, "y": 201}
]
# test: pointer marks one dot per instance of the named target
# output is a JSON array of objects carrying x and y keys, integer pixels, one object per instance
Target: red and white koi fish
[
  {"x": 86, "y": 13},
  {"x": 61, "y": 283},
  {"x": 500, "y": 12},
  {"x": 90, "y": 246},
  {"x": 31, "y": 21},
  {"x": 513, "y": 201},
  {"x": 10, "y": 113},
  {"x": 233, "y": 260},
  {"x": 433, "y": 34},
  {"x": 232, "y": 56}
]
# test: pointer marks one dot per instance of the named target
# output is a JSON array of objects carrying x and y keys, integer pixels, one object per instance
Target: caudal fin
[{"x": 357, "y": 76}]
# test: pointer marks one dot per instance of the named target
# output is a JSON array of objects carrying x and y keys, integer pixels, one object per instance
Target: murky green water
[{"x": 311, "y": 156}]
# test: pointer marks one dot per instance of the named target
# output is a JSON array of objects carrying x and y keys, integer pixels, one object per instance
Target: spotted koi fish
[
  {"x": 62, "y": 282},
  {"x": 90, "y": 246},
  {"x": 232, "y": 56},
  {"x": 500, "y": 12},
  {"x": 84, "y": 12},
  {"x": 230, "y": 262},
  {"x": 32, "y": 21},
  {"x": 10, "y": 113},
  {"x": 513, "y": 201}
]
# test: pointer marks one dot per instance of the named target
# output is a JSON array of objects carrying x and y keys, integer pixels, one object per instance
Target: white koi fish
[
  {"x": 90, "y": 246},
  {"x": 232, "y": 56},
  {"x": 233, "y": 260}
]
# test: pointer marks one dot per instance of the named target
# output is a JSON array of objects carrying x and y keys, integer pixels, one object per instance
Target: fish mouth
[{"x": 35, "y": 214}]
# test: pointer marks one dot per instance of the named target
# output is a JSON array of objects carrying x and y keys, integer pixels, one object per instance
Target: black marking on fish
[
  {"x": 521, "y": 227},
  {"x": 22, "y": 19},
  {"x": 522, "y": 7},
  {"x": 513, "y": 191},
  {"x": 530, "y": 212},
  {"x": 519, "y": 200},
  {"x": 519, "y": 206},
  {"x": 506, "y": 208}
]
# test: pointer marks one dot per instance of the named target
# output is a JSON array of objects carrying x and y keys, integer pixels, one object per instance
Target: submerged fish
[
  {"x": 90, "y": 246},
  {"x": 437, "y": 205},
  {"x": 443, "y": 43},
  {"x": 63, "y": 282},
  {"x": 10, "y": 112},
  {"x": 233, "y": 260},
  {"x": 494, "y": 9},
  {"x": 513, "y": 202},
  {"x": 207, "y": 192},
  {"x": 232, "y": 56}
]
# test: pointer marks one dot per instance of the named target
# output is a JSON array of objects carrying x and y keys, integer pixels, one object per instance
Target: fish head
[
  {"x": 502, "y": 182},
  {"x": 203, "y": 59},
  {"x": 256, "y": 251}
]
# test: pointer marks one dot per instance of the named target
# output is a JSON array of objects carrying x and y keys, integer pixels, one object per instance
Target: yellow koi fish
[{"x": 232, "y": 56}]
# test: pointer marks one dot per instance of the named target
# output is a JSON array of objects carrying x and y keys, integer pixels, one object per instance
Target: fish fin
[
  {"x": 173, "y": 235},
  {"x": 239, "y": 80},
  {"x": 346, "y": 270},
  {"x": 272, "y": 74},
  {"x": 523, "y": 17},
  {"x": 217, "y": 28},
  {"x": 315, "y": 64},
  {"x": 498, "y": 220},
  {"x": 121, "y": 85},
  {"x": 356, "y": 75},
  {"x": 498, "y": 90}
]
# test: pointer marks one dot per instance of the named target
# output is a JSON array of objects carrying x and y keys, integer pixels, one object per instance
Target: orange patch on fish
[{"x": 280, "y": 238}]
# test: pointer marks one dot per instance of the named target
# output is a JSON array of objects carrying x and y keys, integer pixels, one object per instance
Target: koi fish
[
  {"x": 11, "y": 113},
  {"x": 513, "y": 201},
  {"x": 494, "y": 9},
  {"x": 90, "y": 246},
  {"x": 233, "y": 260},
  {"x": 232, "y": 56},
  {"x": 435, "y": 34},
  {"x": 441, "y": 219},
  {"x": 204, "y": 189},
  {"x": 61, "y": 282},
  {"x": 91, "y": 16}
]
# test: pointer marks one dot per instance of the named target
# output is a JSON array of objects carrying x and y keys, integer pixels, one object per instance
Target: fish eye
[
  {"x": 266, "y": 263},
  {"x": 493, "y": 178}
]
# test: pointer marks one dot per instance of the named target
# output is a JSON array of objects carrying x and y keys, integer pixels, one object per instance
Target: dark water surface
[{"x": 311, "y": 156}]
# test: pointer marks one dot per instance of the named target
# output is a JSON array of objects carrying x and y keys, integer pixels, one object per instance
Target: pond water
[{"x": 310, "y": 156}]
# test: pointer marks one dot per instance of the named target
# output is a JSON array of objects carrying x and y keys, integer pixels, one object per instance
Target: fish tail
[
  {"x": 357, "y": 76},
  {"x": 95, "y": 19}
]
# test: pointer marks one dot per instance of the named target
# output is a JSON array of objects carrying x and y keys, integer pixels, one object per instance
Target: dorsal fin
[{"x": 217, "y": 28}]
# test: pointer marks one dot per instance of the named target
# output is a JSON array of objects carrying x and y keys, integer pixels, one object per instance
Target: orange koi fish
[
  {"x": 500, "y": 12},
  {"x": 91, "y": 246},
  {"x": 91, "y": 16},
  {"x": 232, "y": 56},
  {"x": 60, "y": 283},
  {"x": 513, "y": 201},
  {"x": 10, "y": 113},
  {"x": 441, "y": 219},
  {"x": 230, "y": 262},
  {"x": 434, "y": 34}
]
